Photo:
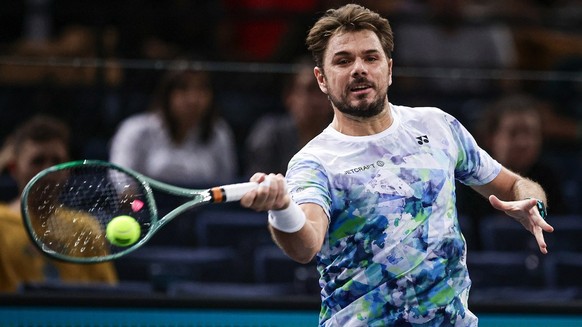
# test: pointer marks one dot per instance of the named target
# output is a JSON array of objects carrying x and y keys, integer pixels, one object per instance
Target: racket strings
[{"x": 69, "y": 209}]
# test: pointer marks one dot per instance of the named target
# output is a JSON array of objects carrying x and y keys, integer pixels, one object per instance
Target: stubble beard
[{"x": 363, "y": 109}]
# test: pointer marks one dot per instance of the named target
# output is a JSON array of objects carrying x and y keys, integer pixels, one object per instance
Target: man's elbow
[{"x": 303, "y": 257}]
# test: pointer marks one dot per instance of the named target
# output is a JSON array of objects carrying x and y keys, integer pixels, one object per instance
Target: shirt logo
[
  {"x": 422, "y": 139},
  {"x": 378, "y": 163}
]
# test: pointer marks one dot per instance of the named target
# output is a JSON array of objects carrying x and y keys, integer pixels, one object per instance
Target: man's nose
[{"x": 359, "y": 67}]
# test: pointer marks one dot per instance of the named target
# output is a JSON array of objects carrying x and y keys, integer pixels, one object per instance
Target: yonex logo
[{"x": 422, "y": 139}]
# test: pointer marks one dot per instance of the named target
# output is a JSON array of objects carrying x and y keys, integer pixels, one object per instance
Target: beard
[{"x": 362, "y": 109}]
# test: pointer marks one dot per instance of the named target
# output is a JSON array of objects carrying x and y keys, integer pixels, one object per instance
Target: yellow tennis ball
[{"x": 123, "y": 231}]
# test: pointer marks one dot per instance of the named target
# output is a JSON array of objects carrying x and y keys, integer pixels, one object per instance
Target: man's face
[
  {"x": 36, "y": 156},
  {"x": 305, "y": 101},
  {"x": 188, "y": 105},
  {"x": 518, "y": 141},
  {"x": 356, "y": 73}
]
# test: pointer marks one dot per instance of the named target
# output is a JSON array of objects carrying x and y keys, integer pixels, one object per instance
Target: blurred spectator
[
  {"x": 151, "y": 29},
  {"x": 540, "y": 47},
  {"x": 182, "y": 139},
  {"x": 259, "y": 30},
  {"x": 511, "y": 131},
  {"x": 445, "y": 39},
  {"x": 563, "y": 120},
  {"x": 510, "y": 11},
  {"x": 39, "y": 143},
  {"x": 157, "y": 31},
  {"x": 37, "y": 23},
  {"x": 74, "y": 42},
  {"x": 274, "y": 139},
  {"x": 562, "y": 127}
]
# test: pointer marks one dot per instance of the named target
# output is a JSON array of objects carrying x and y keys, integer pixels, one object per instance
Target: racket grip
[{"x": 234, "y": 192}]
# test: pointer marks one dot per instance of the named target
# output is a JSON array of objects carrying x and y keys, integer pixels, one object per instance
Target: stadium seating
[
  {"x": 567, "y": 233},
  {"x": 501, "y": 233},
  {"x": 228, "y": 290},
  {"x": 563, "y": 270},
  {"x": 234, "y": 228},
  {"x": 505, "y": 269},
  {"x": 272, "y": 266},
  {"x": 237, "y": 229},
  {"x": 98, "y": 289},
  {"x": 164, "y": 265},
  {"x": 508, "y": 295}
]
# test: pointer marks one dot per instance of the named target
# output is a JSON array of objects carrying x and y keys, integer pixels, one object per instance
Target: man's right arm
[{"x": 302, "y": 244}]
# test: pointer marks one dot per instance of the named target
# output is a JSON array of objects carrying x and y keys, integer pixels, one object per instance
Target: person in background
[
  {"x": 274, "y": 139},
  {"x": 182, "y": 139},
  {"x": 373, "y": 196},
  {"x": 448, "y": 48},
  {"x": 511, "y": 131},
  {"x": 39, "y": 143}
]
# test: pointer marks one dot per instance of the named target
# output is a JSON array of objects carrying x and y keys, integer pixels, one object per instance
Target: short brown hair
[
  {"x": 515, "y": 103},
  {"x": 350, "y": 17},
  {"x": 40, "y": 128},
  {"x": 510, "y": 104}
]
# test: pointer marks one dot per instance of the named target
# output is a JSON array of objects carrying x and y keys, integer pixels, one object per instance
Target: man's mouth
[{"x": 360, "y": 88}]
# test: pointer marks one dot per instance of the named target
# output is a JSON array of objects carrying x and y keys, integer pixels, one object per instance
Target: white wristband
[{"x": 288, "y": 220}]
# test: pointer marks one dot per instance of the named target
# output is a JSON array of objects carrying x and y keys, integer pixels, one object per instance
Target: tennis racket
[{"x": 66, "y": 208}]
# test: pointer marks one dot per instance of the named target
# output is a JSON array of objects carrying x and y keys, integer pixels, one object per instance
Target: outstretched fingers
[
  {"x": 539, "y": 235},
  {"x": 526, "y": 213}
]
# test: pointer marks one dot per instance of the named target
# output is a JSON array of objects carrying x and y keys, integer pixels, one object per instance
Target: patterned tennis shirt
[{"x": 394, "y": 254}]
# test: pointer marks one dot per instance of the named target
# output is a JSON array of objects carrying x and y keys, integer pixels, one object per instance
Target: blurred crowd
[
  {"x": 510, "y": 70},
  {"x": 94, "y": 65}
]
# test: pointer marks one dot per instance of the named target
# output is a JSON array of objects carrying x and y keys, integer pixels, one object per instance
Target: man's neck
[{"x": 362, "y": 126}]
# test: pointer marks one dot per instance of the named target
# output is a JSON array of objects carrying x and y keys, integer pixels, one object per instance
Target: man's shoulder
[
  {"x": 142, "y": 119},
  {"x": 408, "y": 111},
  {"x": 428, "y": 116},
  {"x": 141, "y": 124},
  {"x": 322, "y": 145}
]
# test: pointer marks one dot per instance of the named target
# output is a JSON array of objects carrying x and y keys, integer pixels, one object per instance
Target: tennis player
[{"x": 373, "y": 196}]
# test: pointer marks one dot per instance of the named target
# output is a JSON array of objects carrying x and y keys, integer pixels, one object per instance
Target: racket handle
[{"x": 232, "y": 192}]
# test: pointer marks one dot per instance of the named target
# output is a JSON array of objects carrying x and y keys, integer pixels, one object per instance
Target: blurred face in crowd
[
  {"x": 33, "y": 157},
  {"x": 189, "y": 102},
  {"x": 356, "y": 73},
  {"x": 518, "y": 140},
  {"x": 304, "y": 100}
]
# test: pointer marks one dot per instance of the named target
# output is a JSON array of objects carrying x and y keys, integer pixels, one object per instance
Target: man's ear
[{"x": 320, "y": 77}]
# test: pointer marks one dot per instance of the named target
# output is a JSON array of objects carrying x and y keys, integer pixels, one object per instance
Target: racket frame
[{"x": 224, "y": 193}]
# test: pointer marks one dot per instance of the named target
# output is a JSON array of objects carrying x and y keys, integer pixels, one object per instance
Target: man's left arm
[{"x": 518, "y": 197}]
